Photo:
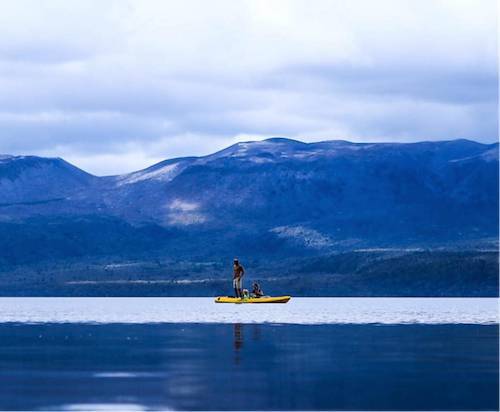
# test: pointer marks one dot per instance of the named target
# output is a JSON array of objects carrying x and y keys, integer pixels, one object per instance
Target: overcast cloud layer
[{"x": 115, "y": 86}]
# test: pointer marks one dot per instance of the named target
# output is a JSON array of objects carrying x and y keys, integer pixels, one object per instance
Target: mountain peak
[
  {"x": 284, "y": 140},
  {"x": 33, "y": 169}
]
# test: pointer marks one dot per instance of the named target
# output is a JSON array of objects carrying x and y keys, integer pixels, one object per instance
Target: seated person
[{"x": 257, "y": 291}]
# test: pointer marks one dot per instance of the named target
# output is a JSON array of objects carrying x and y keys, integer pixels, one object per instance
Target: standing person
[{"x": 238, "y": 273}]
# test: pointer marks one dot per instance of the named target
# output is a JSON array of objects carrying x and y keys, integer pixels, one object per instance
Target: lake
[{"x": 193, "y": 354}]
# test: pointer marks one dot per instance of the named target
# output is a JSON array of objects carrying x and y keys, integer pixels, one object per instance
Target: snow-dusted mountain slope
[
  {"x": 31, "y": 179},
  {"x": 316, "y": 196}
]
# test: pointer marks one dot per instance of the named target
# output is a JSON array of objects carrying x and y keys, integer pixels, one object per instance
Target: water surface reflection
[{"x": 248, "y": 367}]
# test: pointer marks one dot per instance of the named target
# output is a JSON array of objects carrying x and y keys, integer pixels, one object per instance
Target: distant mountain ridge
[
  {"x": 28, "y": 179},
  {"x": 275, "y": 196},
  {"x": 327, "y": 218}
]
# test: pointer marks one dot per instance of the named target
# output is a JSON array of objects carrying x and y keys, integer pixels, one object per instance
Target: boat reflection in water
[
  {"x": 238, "y": 337},
  {"x": 238, "y": 341}
]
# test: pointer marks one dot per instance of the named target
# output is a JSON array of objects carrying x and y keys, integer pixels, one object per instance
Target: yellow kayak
[{"x": 263, "y": 299}]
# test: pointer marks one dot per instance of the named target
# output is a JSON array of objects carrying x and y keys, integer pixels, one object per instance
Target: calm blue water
[{"x": 79, "y": 365}]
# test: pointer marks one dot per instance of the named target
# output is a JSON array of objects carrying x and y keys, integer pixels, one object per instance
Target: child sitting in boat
[{"x": 257, "y": 291}]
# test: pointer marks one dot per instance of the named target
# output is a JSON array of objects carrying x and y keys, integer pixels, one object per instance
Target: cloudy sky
[{"x": 114, "y": 86}]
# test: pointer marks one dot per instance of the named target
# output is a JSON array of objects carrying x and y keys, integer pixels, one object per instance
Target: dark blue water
[{"x": 249, "y": 367}]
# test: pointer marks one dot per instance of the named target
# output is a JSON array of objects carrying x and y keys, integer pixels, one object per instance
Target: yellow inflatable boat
[{"x": 263, "y": 299}]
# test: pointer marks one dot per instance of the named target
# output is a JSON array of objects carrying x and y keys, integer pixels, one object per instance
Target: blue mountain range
[
  {"x": 318, "y": 195},
  {"x": 274, "y": 199}
]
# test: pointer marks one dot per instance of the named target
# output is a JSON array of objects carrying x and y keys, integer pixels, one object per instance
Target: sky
[{"x": 115, "y": 86}]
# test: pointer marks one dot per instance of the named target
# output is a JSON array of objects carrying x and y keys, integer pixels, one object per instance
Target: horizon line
[{"x": 269, "y": 139}]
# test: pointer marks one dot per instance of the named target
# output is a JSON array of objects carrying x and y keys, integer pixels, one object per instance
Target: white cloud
[{"x": 138, "y": 81}]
